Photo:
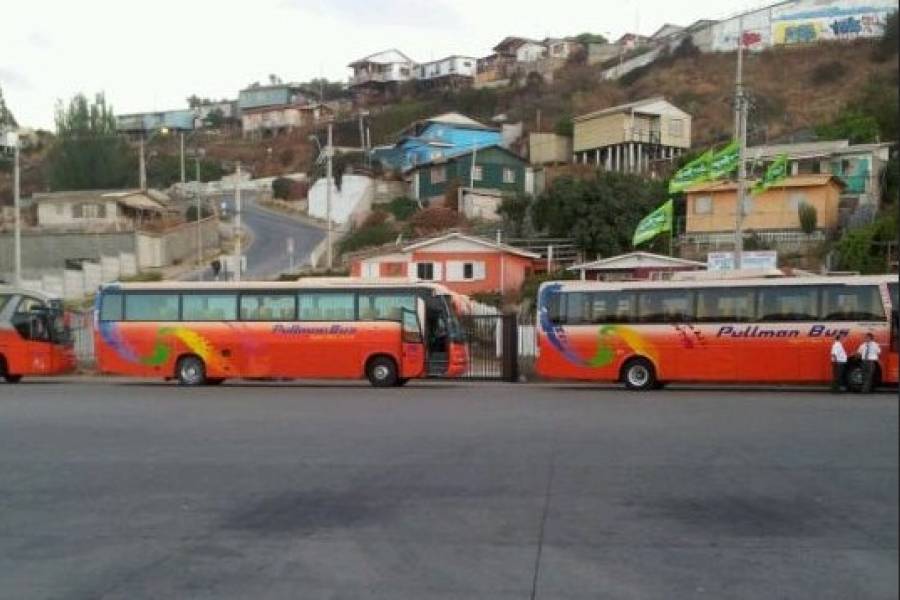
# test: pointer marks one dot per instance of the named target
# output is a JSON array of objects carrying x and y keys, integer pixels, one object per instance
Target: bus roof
[
  {"x": 303, "y": 283},
  {"x": 577, "y": 285}
]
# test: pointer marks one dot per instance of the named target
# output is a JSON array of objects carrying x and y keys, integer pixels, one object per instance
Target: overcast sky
[{"x": 151, "y": 55}]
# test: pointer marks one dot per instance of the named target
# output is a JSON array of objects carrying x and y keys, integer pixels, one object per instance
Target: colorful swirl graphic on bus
[
  {"x": 162, "y": 349},
  {"x": 606, "y": 335}
]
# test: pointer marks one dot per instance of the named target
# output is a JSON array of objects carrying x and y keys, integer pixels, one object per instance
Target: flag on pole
[
  {"x": 658, "y": 221},
  {"x": 725, "y": 161},
  {"x": 776, "y": 172},
  {"x": 696, "y": 171}
]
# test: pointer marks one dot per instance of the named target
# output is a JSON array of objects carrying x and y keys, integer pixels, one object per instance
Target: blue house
[{"x": 440, "y": 137}]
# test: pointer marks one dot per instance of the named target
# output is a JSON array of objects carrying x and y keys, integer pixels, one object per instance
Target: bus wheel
[
  {"x": 12, "y": 378},
  {"x": 382, "y": 372},
  {"x": 402, "y": 381},
  {"x": 190, "y": 370},
  {"x": 638, "y": 374}
]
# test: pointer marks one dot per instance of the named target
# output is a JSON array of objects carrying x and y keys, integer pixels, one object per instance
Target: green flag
[
  {"x": 725, "y": 161},
  {"x": 658, "y": 221},
  {"x": 696, "y": 171},
  {"x": 776, "y": 172}
]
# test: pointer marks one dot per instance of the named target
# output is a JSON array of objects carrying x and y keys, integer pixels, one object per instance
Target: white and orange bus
[
  {"x": 34, "y": 336},
  {"x": 646, "y": 334},
  {"x": 317, "y": 328}
]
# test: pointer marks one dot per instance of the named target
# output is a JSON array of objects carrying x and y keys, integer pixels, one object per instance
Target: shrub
[
  {"x": 433, "y": 220},
  {"x": 402, "y": 207},
  {"x": 281, "y": 188},
  {"x": 367, "y": 236},
  {"x": 863, "y": 249},
  {"x": 376, "y": 217},
  {"x": 809, "y": 218},
  {"x": 451, "y": 194},
  {"x": 828, "y": 72}
]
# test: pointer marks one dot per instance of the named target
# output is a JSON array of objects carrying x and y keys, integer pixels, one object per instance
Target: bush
[
  {"x": 451, "y": 194},
  {"x": 686, "y": 49},
  {"x": 402, "y": 207},
  {"x": 564, "y": 126},
  {"x": 376, "y": 217},
  {"x": 864, "y": 249},
  {"x": 367, "y": 236},
  {"x": 191, "y": 213},
  {"x": 829, "y": 72},
  {"x": 281, "y": 188},
  {"x": 434, "y": 220},
  {"x": 809, "y": 218},
  {"x": 514, "y": 210}
]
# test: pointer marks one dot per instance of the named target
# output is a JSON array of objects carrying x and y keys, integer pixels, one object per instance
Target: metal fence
[{"x": 81, "y": 324}]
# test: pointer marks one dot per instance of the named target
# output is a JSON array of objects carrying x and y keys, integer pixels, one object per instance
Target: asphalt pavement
[
  {"x": 121, "y": 489},
  {"x": 268, "y": 256}
]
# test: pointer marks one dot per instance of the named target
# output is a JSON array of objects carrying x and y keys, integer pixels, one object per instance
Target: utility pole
[
  {"x": 199, "y": 232},
  {"x": 740, "y": 133},
  {"x": 237, "y": 223},
  {"x": 329, "y": 155},
  {"x": 181, "y": 140},
  {"x": 18, "y": 211},
  {"x": 142, "y": 166}
]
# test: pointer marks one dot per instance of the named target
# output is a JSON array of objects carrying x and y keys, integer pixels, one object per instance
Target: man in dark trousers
[
  {"x": 868, "y": 351},
  {"x": 838, "y": 363}
]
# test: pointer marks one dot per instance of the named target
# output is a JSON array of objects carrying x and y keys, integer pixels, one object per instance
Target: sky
[{"x": 152, "y": 55}]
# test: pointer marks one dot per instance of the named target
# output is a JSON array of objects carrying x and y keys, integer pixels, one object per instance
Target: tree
[
  {"x": 281, "y": 188},
  {"x": 590, "y": 38},
  {"x": 88, "y": 153},
  {"x": 809, "y": 218},
  {"x": 890, "y": 177},
  {"x": 215, "y": 118},
  {"x": 402, "y": 207},
  {"x": 514, "y": 210},
  {"x": 195, "y": 101},
  {"x": 599, "y": 213},
  {"x": 865, "y": 249},
  {"x": 6, "y": 117}
]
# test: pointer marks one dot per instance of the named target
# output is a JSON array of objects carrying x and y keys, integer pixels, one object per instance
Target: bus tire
[
  {"x": 402, "y": 381},
  {"x": 382, "y": 371},
  {"x": 639, "y": 374},
  {"x": 10, "y": 378},
  {"x": 190, "y": 370},
  {"x": 855, "y": 377}
]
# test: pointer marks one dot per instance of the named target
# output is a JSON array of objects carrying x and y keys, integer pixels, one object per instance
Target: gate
[{"x": 491, "y": 342}]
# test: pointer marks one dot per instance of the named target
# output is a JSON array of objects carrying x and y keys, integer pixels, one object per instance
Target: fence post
[{"x": 510, "y": 348}]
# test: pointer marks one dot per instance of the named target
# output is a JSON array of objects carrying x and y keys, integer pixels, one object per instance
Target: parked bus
[
  {"x": 34, "y": 336},
  {"x": 646, "y": 334},
  {"x": 205, "y": 333}
]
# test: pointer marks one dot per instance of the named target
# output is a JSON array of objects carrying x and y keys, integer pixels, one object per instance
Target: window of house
[
  {"x": 676, "y": 127},
  {"x": 326, "y": 306},
  {"x": 209, "y": 307},
  {"x": 151, "y": 307},
  {"x": 393, "y": 269},
  {"x": 795, "y": 199},
  {"x": 425, "y": 271},
  {"x": 509, "y": 175},
  {"x": 702, "y": 205},
  {"x": 477, "y": 173},
  {"x": 438, "y": 174},
  {"x": 468, "y": 271},
  {"x": 378, "y": 306},
  {"x": 268, "y": 307},
  {"x": 788, "y": 303}
]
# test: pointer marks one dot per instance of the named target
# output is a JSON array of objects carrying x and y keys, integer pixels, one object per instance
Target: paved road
[
  {"x": 267, "y": 256},
  {"x": 497, "y": 491}
]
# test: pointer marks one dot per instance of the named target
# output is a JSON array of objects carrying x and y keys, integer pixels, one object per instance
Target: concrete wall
[
  {"x": 175, "y": 245},
  {"x": 354, "y": 196},
  {"x": 48, "y": 250},
  {"x": 546, "y": 148}
]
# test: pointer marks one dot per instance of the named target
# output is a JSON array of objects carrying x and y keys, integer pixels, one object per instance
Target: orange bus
[
  {"x": 646, "y": 334},
  {"x": 205, "y": 333},
  {"x": 34, "y": 336}
]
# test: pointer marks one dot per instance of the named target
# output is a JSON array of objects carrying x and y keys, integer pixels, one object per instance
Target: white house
[
  {"x": 382, "y": 68},
  {"x": 451, "y": 67},
  {"x": 97, "y": 209}
]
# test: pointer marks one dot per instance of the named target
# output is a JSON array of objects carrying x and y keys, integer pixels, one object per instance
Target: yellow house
[
  {"x": 628, "y": 137},
  {"x": 711, "y": 206}
]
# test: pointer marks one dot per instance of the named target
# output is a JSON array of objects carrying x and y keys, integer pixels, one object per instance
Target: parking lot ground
[{"x": 129, "y": 489}]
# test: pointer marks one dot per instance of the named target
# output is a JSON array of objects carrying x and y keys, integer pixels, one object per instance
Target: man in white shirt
[
  {"x": 838, "y": 363},
  {"x": 868, "y": 351}
]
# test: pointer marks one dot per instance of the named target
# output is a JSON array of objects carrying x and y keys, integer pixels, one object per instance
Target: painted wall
[
  {"x": 492, "y": 163},
  {"x": 63, "y": 213},
  {"x": 775, "y": 209}
]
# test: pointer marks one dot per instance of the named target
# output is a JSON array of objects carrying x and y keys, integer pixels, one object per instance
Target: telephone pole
[
  {"x": 142, "y": 166},
  {"x": 740, "y": 134},
  {"x": 181, "y": 141},
  {"x": 18, "y": 211},
  {"x": 237, "y": 223},
  {"x": 329, "y": 154}
]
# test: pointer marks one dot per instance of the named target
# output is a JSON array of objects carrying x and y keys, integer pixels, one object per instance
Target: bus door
[
  {"x": 33, "y": 327},
  {"x": 413, "y": 344},
  {"x": 437, "y": 335}
]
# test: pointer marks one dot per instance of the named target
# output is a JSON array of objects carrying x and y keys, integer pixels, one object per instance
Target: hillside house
[
  {"x": 278, "y": 94},
  {"x": 631, "y": 137},
  {"x": 635, "y": 266},
  {"x": 495, "y": 168},
  {"x": 549, "y": 148},
  {"x": 100, "y": 210},
  {"x": 380, "y": 74},
  {"x": 772, "y": 215},
  {"x": 268, "y": 121},
  {"x": 435, "y": 138},
  {"x": 450, "y": 72},
  {"x": 464, "y": 263}
]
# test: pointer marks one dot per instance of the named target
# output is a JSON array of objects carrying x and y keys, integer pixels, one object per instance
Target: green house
[{"x": 496, "y": 168}]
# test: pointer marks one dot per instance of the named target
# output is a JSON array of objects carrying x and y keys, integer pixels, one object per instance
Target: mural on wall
[
  {"x": 808, "y": 21},
  {"x": 757, "y": 28}
]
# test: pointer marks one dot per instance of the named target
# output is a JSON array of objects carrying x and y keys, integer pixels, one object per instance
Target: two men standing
[{"x": 868, "y": 352}]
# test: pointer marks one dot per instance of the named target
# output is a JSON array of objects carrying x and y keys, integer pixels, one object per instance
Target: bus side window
[
  {"x": 111, "y": 307},
  {"x": 612, "y": 307},
  {"x": 725, "y": 305},
  {"x": 852, "y": 303},
  {"x": 789, "y": 303},
  {"x": 666, "y": 306}
]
